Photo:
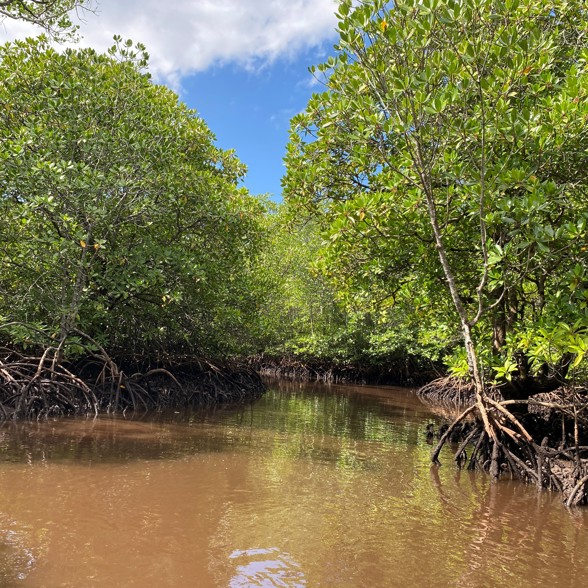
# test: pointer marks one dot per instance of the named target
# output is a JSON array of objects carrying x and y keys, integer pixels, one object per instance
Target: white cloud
[{"x": 187, "y": 36}]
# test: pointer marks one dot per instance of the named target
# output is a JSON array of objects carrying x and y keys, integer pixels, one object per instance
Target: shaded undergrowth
[
  {"x": 41, "y": 385},
  {"x": 403, "y": 371}
]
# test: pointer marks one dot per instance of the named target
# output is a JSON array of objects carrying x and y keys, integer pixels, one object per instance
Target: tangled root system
[
  {"x": 34, "y": 386},
  {"x": 542, "y": 440}
]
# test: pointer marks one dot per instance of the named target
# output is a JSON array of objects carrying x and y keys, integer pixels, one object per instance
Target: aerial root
[
  {"x": 503, "y": 443},
  {"x": 572, "y": 500},
  {"x": 39, "y": 386}
]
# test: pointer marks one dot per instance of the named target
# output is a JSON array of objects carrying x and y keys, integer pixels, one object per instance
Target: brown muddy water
[{"x": 306, "y": 487}]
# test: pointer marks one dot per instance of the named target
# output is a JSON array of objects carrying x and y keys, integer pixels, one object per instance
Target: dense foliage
[
  {"x": 436, "y": 205},
  {"x": 435, "y": 192},
  {"x": 446, "y": 165},
  {"x": 303, "y": 316},
  {"x": 119, "y": 217}
]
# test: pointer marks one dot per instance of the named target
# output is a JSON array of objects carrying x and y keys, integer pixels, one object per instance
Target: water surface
[{"x": 306, "y": 487}]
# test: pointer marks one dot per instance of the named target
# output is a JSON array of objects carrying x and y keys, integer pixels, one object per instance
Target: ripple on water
[
  {"x": 266, "y": 568},
  {"x": 16, "y": 559}
]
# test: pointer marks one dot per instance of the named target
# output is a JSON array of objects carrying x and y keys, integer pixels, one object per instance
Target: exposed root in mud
[
  {"x": 31, "y": 386},
  {"x": 452, "y": 392},
  {"x": 38, "y": 386},
  {"x": 542, "y": 440}
]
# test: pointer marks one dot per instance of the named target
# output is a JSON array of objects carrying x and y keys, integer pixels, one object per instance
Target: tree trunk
[{"x": 69, "y": 318}]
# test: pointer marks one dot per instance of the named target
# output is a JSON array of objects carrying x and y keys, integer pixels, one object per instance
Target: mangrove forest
[{"x": 433, "y": 230}]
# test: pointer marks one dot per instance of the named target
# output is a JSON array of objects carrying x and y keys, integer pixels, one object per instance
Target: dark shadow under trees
[{"x": 42, "y": 384}]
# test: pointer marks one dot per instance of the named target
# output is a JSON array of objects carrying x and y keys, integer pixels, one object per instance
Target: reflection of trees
[
  {"x": 329, "y": 489},
  {"x": 302, "y": 414},
  {"x": 504, "y": 535}
]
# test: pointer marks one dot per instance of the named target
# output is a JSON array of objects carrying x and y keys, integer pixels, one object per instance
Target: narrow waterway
[{"x": 307, "y": 487}]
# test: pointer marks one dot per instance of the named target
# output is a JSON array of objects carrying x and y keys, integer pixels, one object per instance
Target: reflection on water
[
  {"x": 16, "y": 558},
  {"x": 306, "y": 487},
  {"x": 266, "y": 568}
]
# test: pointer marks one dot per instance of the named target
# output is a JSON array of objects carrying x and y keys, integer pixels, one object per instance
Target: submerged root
[{"x": 504, "y": 442}]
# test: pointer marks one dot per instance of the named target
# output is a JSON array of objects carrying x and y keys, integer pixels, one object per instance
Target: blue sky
[
  {"x": 251, "y": 111},
  {"x": 242, "y": 64}
]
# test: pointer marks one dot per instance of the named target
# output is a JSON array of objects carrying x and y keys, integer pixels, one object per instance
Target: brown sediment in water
[{"x": 319, "y": 486}]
